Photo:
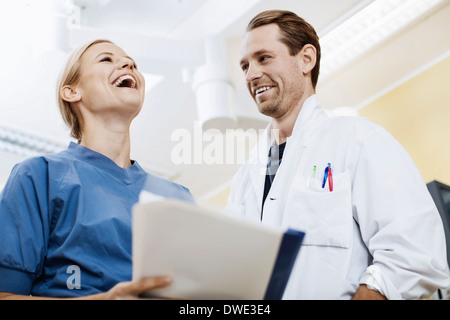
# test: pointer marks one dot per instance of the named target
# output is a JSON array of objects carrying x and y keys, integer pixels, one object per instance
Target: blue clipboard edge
[{"x": 289, "y": 249}]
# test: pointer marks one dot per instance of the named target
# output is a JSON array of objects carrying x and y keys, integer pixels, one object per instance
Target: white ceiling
[{"x": 167, "y": 39}]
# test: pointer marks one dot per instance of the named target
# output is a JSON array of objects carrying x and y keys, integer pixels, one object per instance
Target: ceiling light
[
  {"x": 369, "y": 27},
  {"x": 21, "y": 142}
]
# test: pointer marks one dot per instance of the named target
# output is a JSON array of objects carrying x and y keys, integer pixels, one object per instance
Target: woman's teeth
[{"x": 125, "y": 81}]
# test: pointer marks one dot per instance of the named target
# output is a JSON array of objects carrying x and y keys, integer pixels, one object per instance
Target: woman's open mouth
[{"x": 125, "y": 81}]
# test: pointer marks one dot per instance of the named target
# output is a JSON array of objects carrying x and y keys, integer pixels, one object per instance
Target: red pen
[{"x": 330, "y": 179}]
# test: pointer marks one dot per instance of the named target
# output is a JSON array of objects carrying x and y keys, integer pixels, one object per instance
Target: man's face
[{"x": 274, "y": 78}]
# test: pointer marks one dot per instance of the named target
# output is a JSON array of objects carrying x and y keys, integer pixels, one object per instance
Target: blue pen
[{"x": 325, "y": 176}]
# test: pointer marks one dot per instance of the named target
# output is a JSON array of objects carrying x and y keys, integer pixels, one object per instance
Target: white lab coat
[{"x": 380, "y": 211}]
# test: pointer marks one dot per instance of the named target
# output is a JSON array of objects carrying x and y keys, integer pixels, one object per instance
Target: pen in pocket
[
  {"x": 325, "y": 176},
  {"x": 328, "y": 176},
  {"x": 313, "y": 175}
]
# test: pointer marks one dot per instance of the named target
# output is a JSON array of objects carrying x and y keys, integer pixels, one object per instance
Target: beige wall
[{"x": 417, "y": 114}]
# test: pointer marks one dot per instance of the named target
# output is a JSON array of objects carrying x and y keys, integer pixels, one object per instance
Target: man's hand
[{"x": 364, "y": 293}]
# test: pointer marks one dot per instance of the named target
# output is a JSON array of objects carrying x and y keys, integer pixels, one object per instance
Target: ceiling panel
[{"x": 140, "y": 16}]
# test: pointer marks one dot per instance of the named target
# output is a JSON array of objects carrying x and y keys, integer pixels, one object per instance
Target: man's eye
[
  {"x": 263, "y": 58},
  {"x": 106, "y": 59},
  {"x": 244, "y": 68}
]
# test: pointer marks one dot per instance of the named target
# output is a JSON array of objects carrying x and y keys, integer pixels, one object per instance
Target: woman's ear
[
  {"x": 308, "y": 56},
  {"x": 70, "y": 94}
]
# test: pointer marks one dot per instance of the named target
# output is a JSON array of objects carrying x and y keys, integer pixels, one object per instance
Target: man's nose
[{"x": 253, "y": 73}]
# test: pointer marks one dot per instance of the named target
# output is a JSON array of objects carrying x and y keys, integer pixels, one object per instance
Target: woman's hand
[
  {"x": 130, "y": 290},
  {"x": 133, "y": 289}
]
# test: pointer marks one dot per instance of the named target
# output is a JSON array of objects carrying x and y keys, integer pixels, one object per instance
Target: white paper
[{"x": 208, "y": 254}]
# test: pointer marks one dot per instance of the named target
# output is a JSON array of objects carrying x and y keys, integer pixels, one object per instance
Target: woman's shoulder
[
  {"x": 167, "y": 188},
  {"x": 42, "y": 163}
]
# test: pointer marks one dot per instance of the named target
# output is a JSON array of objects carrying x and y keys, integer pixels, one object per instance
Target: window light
[{"x": 369, "y": 27}]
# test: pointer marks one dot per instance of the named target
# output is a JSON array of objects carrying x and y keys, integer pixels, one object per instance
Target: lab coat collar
[{"x": 310, "y": 116}]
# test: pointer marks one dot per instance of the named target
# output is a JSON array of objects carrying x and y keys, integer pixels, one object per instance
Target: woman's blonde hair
[{"x": 70, "y": 76}]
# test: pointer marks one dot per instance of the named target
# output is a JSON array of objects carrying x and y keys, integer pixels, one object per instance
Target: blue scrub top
[{"x": 69, "y": 215}]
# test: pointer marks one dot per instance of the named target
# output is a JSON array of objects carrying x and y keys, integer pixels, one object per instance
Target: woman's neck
[{"x": 113, "y": 143}]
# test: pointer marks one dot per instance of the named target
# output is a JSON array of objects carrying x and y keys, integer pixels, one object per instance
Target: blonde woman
[{"x": 65, "y": 219}]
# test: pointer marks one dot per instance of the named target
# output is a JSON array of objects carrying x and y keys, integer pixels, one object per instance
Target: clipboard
[{"x": 210, "y": 255}]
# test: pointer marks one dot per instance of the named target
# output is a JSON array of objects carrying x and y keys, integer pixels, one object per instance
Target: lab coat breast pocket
[{"x": 325, "y": 216}]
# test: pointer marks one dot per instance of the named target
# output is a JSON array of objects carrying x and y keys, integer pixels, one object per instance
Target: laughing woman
[{"x": 68, "y": 216}]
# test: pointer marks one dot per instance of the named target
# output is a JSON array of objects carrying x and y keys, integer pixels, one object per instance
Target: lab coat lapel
[
  {"x": 258, "y": 166},
  {"x": 310, "y": 118}
]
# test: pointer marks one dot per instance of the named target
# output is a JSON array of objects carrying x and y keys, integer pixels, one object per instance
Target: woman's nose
[{"x": 127, "y": 63}]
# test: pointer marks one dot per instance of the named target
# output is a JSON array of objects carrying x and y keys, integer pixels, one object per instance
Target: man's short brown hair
[{"x": 295, "y": 33}]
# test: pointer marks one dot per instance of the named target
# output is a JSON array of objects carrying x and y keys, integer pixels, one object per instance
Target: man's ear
[
  {"x": 70, "y": 94},
  {"x": 308, "y": 56}
]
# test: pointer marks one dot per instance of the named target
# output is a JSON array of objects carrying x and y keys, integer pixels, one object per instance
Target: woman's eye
[{"x": 106, "y": 59}]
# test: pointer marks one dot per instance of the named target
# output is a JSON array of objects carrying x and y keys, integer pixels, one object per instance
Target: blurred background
[{"x": 388, "y": 61}]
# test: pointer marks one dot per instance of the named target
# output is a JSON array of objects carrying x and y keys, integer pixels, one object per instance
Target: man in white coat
[{"x": 372, "y": 229}]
